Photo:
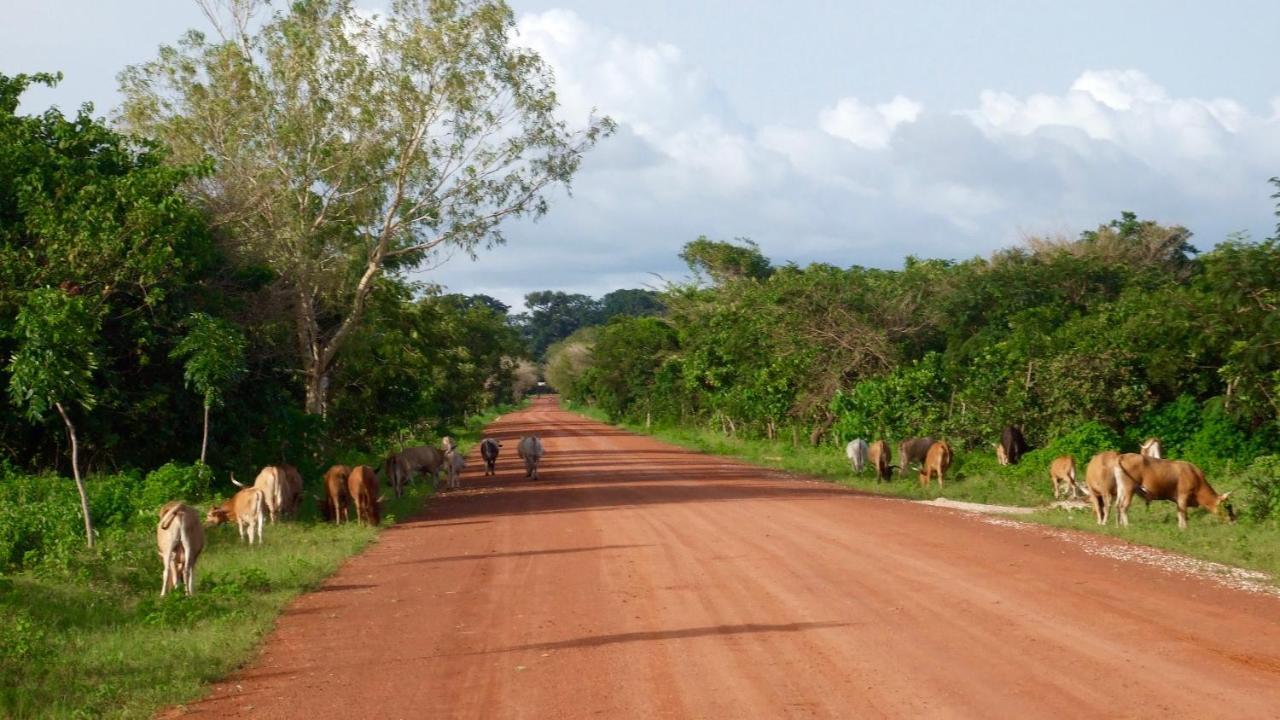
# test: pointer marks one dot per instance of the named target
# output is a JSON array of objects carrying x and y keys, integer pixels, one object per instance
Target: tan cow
[
  {"x": 1062, "y": 472},
  {"x": 936, "y": 460},
  {"x": 1175, "y": 480},
  {"x": 362, "y": 483},
  {"x": 247, "y": 509},
  {"x": 179, "y": 540},
  {"x": 1100, "y": 483},
  {"x": 879, "y": 459},
  {"x": 336, "y": 495},
  {"x": 1002, "y": 457},
  {"x": 281, "y": 486}
]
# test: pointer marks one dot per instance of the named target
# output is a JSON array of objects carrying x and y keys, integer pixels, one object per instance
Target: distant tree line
[{"x": 1124, "y": 332}]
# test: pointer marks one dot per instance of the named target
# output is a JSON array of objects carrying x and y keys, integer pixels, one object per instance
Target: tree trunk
[
  {"x": 317, "y": 391},
  {"x": 75, "y": 472},
  {"x": 204, "y": 439},
  {"x": 821, "y": 429}
]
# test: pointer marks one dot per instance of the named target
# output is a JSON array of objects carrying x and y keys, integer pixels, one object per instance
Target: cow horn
[
  {"x": 382, "y": 498},
  {"x": 1225, "y": 495},
  {"x": 233, "y": 481}
]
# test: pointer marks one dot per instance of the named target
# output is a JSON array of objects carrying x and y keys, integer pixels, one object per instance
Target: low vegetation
[{"x": 86, "y": 634}]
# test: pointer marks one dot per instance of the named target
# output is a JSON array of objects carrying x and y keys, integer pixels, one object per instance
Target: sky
[{"x": 837, "y": 132}]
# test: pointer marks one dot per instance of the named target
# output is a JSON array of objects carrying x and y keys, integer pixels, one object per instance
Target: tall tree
[
  {"x": 555, "y": 315},
  {"x": 348, "y": 147}
]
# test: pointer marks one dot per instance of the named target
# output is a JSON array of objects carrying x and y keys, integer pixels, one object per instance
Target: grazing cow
[
  {"x": 402, "y": 466},
  {"x": 1013, "y": 443},
  {"x": 856, "y": 451},
  {"x": 1152, "y": 448},
  {"x": 936, "y": 460},
  {"x": 179, "y": 540},
  {"x": 912, "y": 452},
  {"x": 1062, "y": 473},
  {"x": 454, "y": 463},
  {"x": 878, "y": 457},
  {"x": 247, "y": 509},
  {"x": 1175, "y": 480},
  {"x": 1001, "y": 456},
  {"x": 530, "y": 449},
  {"x": 362, "y": 483},
  {"x": 489, "y": 451},
  {"x": 336, "y": 495},
  {"x": 1100, "y": 483},
  {"x": 281, "y": 485}
]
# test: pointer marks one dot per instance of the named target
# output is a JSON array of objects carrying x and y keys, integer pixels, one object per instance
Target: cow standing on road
[
  {"x": 489, "y": 451},
  {"x": 530, "y": 450}
]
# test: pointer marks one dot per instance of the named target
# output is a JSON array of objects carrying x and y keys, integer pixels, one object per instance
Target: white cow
[
  {"x": 454, "y": 464},
  {"x": 530, "y": 449},
  {"x": 856, "y": 451}
]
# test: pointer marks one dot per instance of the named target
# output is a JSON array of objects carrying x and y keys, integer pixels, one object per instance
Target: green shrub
[
  {"x": 1261, "y": 491},
  {"x": 39, "y": 520},
  {"x": 175, "y": 481}
]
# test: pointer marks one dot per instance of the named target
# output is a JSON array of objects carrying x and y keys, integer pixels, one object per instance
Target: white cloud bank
[{"x": 867, "y": 182}]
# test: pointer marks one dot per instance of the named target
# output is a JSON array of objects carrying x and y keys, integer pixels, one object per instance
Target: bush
[
  {"x": 39, "y": 520},
  {"x": 1261, "y": 492},
  {"x": 175, "y": 481}
]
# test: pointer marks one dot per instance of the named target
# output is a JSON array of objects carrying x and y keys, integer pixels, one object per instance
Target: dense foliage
[
  {"x": 554, "y": 315},
  {"x": 1124, "y": 332}
]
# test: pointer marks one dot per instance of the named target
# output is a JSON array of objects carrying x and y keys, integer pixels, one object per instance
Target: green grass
[
  {"x": 975, "y": 477},
  {"x": 94, "y": 639}
]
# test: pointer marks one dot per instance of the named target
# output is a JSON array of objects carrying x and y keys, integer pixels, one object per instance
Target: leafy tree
[
  {"x": 347, "y": 148},
  {"x": 724, "y": 261},
  {"x": 627, "y": 355},
  {"x": 213, "y": 351},
  {"x": 630, "y": 302},
  {"x": 53, "y": 367},
  {"x": 554, "y": 315}
]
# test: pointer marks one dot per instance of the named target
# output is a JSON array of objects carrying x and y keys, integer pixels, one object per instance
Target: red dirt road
[{"x": 638, "y": 580}]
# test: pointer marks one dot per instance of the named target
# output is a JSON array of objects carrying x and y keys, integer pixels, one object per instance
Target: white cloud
[
  {"x": 866, "y": 126},
  {"x": 863, "y": 183}
]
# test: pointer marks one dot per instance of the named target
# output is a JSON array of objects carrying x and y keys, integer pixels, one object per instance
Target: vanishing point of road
[{"x": 639, "y": 580}]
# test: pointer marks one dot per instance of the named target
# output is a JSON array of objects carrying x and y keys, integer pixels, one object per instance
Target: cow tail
[{"x": 167, "y": 520}]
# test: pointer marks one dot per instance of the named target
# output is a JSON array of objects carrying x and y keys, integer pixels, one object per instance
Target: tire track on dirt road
[{"x": 639, "y": 580}]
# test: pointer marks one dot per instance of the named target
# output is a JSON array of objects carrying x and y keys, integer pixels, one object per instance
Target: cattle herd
[
  {"x": 1111, "y": 478},
  {"x": 277, "y": 493}
]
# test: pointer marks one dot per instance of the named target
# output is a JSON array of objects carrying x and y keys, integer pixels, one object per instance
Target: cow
[
  {"x": 1002, "y": 458},
  {"x": 336, "y": 494},
  {"x": 247, "y": 509},
  {"x": 913, "y": 451},
  {"x": 362, "y": 484},
  {"x": 530, "y": 449},
  {"x": 1062, "y": 473},
  {"x": 447, "y": 444},
  {"x": 1152, "y": 448},
  {"x": 454, "y": 463},
  {"x": 856, "y": 451},
  {"x": 1175, "y": 480},
  {"x": 1100, "y": 483},
  {"x": 879, "y": 458},
  {"x": 281, "y": 486},
  {"x": 936, "y": 460},
  {"x": 1013, "y": 443},
  {"x": 489, "y": 451},
  {"x": 402, "y": 466},
  {"x": 179, "y": 540}
]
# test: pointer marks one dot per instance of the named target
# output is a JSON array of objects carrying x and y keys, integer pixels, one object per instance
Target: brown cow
[
  {"x": 179, "y": 540},
  {"x": 247, "y": 509},
  {"x": 336, "y": 495},
  {"x": 936, "y": 460},
  {"x": 362, "y": 483},
  {"x": 1100, "y": 483},
  {"x": 879, "y": 459},
  {"x": 1175, "y": 480},
  {"x": 1062, "y": 472}
]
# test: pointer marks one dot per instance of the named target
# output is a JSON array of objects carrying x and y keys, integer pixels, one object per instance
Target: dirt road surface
[{"x": 638, "y": 580}]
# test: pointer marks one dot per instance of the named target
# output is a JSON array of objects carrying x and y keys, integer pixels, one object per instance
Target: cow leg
[
  {"x": 1182, "y": 512},
  {"x": 164, "y": 578}
]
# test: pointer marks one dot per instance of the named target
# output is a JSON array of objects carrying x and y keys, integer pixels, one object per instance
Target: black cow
[
  {"x": 1013, "y": 444},
  {"x": 489, "y": 451},
  {"x": 912, "y": 452}
]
